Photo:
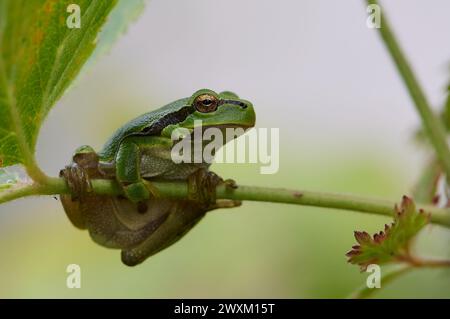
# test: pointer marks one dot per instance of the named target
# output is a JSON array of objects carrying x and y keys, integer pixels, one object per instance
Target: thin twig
[
  {"x": 366, "y": 292},
  {"x": 249, "y": 193},
  {"x": 433, "y": 126},
  {"x": 412, "y": 263}
]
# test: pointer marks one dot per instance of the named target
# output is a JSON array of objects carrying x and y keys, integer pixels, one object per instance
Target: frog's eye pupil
[{"x": 207, "y": 102}]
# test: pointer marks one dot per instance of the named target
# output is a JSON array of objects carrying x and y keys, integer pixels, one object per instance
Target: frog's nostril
[{"x": 243, "y": 105}]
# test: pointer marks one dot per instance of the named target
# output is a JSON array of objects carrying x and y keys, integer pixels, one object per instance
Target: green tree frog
[{"x": 139, "y": 222}]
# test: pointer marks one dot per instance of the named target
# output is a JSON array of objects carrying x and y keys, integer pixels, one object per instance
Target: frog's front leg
[{"x": 128, "y": 166}]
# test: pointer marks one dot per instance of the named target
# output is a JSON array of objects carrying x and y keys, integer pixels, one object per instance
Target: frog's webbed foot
[
  {"x": 202, "y": 188},
  {"x": 77, "y": 175},
  {"x": 77, "y": 180}
]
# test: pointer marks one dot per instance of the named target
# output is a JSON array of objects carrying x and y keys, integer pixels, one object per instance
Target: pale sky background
[{"x": 311, "y": 68}]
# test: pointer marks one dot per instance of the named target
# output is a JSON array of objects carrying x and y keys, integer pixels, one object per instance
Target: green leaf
[
  {"x": 393, "y": 243},
  {"x": 39, "y": 57}
]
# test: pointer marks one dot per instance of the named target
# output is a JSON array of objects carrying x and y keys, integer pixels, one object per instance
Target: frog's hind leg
[
  {"x": 115, "y": 222},
  {"x": 73, "y": 211},
  {"x": 184, "y": 215}
]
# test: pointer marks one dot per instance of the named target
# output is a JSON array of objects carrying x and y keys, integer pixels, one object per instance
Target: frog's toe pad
[{"x": 136, "y": 192}]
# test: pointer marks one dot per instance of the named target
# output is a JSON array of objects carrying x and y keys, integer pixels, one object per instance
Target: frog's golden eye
[{"x": 206, "y": 103}]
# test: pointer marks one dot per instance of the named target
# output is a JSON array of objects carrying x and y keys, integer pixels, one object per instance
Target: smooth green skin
[{"x": 135, "y": 156}]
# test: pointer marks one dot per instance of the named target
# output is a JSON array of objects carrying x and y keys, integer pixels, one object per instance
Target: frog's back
[{"x": 152, "y": 123}]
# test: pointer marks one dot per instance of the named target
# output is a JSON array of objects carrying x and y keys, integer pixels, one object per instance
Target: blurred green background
[{"x": 312, "y": 69}]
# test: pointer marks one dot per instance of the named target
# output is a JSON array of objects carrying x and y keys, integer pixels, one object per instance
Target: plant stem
[
  {"x": 412, "y": 263},
  {"x": 327, "y": 200},
  {"x": 417, "y": 262},
  {"x": 433, "y": 126},
  {"x": 250, "y": 193},
  {"x": 366, "y": 292}
]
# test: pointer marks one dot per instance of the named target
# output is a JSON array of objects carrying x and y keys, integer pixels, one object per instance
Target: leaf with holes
[
  {"x": 40, "y": 56},
  {"x": 393, "y": 243}
]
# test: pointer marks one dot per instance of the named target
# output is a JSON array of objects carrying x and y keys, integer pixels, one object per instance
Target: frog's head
[
  {"x": 221, "y": 110},
  {"x": 224, "y": 109}
]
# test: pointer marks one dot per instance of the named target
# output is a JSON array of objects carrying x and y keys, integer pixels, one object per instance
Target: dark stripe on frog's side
[
  {"x": 176, "y": 117},
  {"x": 152, "y": 124},
  {"x": 169, "y": 119}
]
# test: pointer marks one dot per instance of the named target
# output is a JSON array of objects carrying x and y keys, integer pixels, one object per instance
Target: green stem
[
  {"x": 249, "y": 193},
  {"x": 327, "y": 200},
  {"x": 366, "y": 292},
  {"x": 413, "y": 263},
  {"x": 433, "y": 126}
]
